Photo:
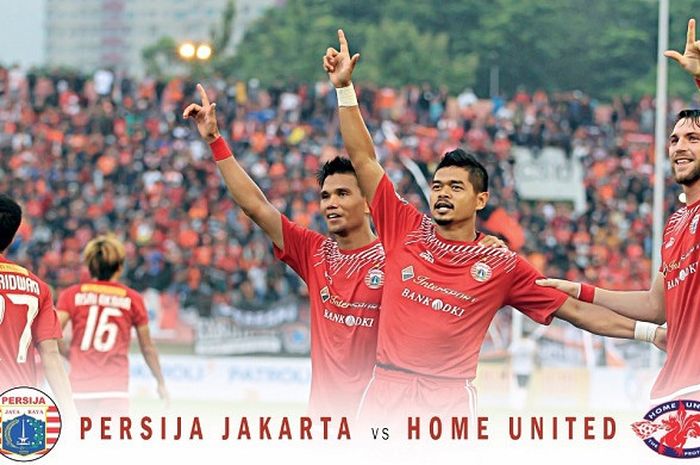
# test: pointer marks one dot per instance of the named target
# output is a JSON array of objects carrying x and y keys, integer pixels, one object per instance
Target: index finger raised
[
  {"x": 203, "y": 94},
  {"x": 343, "y": 41},
  {"x": 691, "y": 32}
]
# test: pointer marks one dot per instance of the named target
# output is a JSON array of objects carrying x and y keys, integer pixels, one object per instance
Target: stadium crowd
[{"x": 89, "y": 155}]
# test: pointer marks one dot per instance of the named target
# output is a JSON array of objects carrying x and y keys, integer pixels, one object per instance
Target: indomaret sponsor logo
[
  {"x": 436, "y": 304},
  {"x": 348, "y": 320},
  {"x": 683, "y": 274}
]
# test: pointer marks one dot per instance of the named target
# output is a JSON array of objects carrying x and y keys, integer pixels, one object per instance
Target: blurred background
[{"x": 557, "y": 99}]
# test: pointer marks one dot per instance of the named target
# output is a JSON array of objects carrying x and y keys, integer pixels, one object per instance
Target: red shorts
[
  {"x": 103, "y": 407},
  {"x": 392, "y": 396}
]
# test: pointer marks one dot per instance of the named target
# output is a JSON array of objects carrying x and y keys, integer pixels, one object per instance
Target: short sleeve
[
  {"x": 299, "y": 244},
  {"x": 138, "y": 307},
  {"x": 393, "y": 216},
  {"x": 66, "y": 300},
  {"x": 537, "y": 302},
  {"x": 46, "y": 325}
]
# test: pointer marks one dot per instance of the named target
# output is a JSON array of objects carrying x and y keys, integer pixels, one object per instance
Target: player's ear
[{"x": 481, "y": 199}]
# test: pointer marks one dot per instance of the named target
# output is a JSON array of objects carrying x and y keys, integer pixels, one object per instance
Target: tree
[
  {"x": 398, "y": 54},
  {"x": 161, "y": 55}
]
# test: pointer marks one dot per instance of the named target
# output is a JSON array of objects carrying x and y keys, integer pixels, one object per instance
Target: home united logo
[
  {"x": 374, "y": 278},
  {"x": 30, "y": 422},
  {"x": 670, "y": 430}
]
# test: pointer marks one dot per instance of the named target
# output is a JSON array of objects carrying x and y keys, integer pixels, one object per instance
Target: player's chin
[
  {"x": 339, "y": 229},
  {"x": 443, "y": 220}
]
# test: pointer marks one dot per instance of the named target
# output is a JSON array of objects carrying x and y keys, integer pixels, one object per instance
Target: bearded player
[
  {"x": 344, "y": 273},
  {"x": 674, "y": 296},
  {"x": 102, "y": 312},
  {"x": 28, "y": 320},
  {"x": 442, "y": 289}
]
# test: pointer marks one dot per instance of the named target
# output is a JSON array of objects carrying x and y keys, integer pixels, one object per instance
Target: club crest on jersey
[
  {"x": 325, "y": 294},
  {"x": 31, "y": 424},
  {"x": 374, "y": 278},
  {"x": 481, "y": 272},
  {"x": 670, "y": 429},
  {"x": 694, "y": 224},
  {"x": 407, "y": 273}
]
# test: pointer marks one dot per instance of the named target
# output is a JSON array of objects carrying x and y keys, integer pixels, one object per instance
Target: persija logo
[{"x": 669, "y": 429}]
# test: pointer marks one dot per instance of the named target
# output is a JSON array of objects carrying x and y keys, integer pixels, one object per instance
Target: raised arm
[
  {"x": 638, "y": 305},
  {"x": 358, "y": 142},
  {"x": 604, "y": 322},
  {"x": 242, "y": 188},
  {"x": 150, "y": 355}
]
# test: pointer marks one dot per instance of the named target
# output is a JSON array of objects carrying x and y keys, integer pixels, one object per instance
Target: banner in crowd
[
  {"x": 278, "y": 329},
  {"x": 549, "y": 174}
]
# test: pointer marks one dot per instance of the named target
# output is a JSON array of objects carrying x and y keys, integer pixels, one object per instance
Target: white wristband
[
  {"x": 644, "y": 331},
  {"x": 346, "y": 96}
]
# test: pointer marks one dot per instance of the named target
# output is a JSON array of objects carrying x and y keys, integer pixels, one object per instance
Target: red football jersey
[
  {"x": 102, "y": 314},
  {"x": 680, "y": 255},
  {"x": 345, "y": 288},
  {"x": 27, "y": 317},
  {"x": 440, "y": 295}
]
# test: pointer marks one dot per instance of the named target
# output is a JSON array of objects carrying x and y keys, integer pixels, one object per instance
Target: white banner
[{"x": 549, "y": 175}]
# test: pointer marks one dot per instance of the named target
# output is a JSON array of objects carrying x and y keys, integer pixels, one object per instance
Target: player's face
[
  {"x": 342, "y": 204},
  {"x": 452, "y": 196},
  {"x": 684, "y": 152}
]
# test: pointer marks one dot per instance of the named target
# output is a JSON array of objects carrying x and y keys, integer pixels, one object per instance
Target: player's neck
[
  {"x": 460, "y": 232},
  {"x": 692, "y": 193},
  {"x": 355, "y": 239}
]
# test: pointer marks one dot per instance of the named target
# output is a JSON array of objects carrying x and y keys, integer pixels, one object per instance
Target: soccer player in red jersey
[
  {"x": 441, "y": 289},
  {"x": 674, "y": 296},
  {"x": 344, "y": 274},
  {"x": 28, "y": 320},
  {"x": 102, "y": 312}
]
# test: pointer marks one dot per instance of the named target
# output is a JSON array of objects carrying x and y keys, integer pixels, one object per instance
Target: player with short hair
[
  {"x": 442, "y": 289},
  {"x": 28, "y": 320},
  {"x": 102, "y": 312},
  {"x": 344, "y": 273},
  {"x": 673, "y": 296}
]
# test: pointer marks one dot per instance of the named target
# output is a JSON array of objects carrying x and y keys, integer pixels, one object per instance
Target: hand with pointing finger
[
  {"x": 338, "y": 64},
  {"x": 690, "y": 60},
  {"x": 205, "y": 116}
]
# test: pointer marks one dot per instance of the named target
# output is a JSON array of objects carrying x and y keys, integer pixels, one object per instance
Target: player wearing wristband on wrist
[
  {"x": 674, "y": 296},
  {"x": 344, "y": 274},
  {"x": 435, "y": 313}
]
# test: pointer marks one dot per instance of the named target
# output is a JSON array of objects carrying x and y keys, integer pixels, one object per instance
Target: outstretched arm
[
  {"x": 241, "y": 187},
  {"x": 638, "y": 305},
  {"x": 358, "y": 142},
  {"x": 605, "y": 322}
]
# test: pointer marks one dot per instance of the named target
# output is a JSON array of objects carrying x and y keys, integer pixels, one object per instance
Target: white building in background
[{"x": 92, "y": 34}]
